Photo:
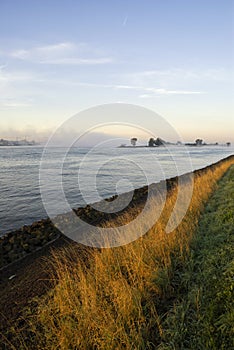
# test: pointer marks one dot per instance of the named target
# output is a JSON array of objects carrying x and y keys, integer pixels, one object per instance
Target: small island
[{"x": 158, "y": 142}]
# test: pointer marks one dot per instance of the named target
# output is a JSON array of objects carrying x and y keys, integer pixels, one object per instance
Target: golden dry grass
[{"x": 118, "y": 300}]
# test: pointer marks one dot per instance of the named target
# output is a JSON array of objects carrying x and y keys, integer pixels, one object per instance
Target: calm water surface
[{"x": 87, "y": 174}]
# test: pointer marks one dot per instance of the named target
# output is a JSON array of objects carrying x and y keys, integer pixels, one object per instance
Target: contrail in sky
[{"x": 125, "y": 21}]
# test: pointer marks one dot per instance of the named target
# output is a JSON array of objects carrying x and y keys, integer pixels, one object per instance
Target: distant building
[
  {"x": 17, "y": 143},
  {"x": 3, "y": 142}
]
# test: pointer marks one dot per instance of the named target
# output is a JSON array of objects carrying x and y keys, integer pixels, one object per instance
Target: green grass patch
[{"x": 203, "y": 314}]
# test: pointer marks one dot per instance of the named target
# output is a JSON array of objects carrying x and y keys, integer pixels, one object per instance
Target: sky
[{"x": 60, "y": 57}]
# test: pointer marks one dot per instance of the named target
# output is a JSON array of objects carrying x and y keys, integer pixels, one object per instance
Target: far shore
[{"x": 174, "y": 144}]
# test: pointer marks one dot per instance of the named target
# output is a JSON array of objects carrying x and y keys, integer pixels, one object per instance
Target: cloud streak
[
  {"x": 65, "y": 53},
  {"x": 15, "y": 76},
  {"x": 125, "y": 21},
  {"x": 15, "y": 105},
  {"x": 174, "y": 75},
  {"x": 152, "y": 90}
]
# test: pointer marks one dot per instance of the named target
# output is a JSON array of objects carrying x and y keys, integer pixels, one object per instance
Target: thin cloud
[
  {"x": 217, "y": 74},
  {"x": 15, "y": 105},
  {"x": 14, "y": 76},
  {"x": 145, "y": 96},
  {"x": 42, "y": 51},
  {"x": 146, "y": 91},
  {"x": 174, "y": 92},
  {"x": 65, "y": 53},
  {"x": 159, "y": 91},
  {"x": 77, "y": 61},
  {"x": 11, "y": 102}
]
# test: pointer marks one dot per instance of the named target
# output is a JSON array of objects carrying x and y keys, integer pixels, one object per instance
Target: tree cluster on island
[
  {"x": 157, "y": 142},
  {"x": 200, "y": 142},
  {"x": 151, "y": 143}
]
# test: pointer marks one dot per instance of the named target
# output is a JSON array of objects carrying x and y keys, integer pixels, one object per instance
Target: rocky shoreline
[{"x": 18, "y": 244}]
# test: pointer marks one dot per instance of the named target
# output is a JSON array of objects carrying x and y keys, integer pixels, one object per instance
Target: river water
[{"x": 87, "y": 174}]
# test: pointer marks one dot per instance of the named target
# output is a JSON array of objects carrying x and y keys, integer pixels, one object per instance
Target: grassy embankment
[
  {"x": 122, "y": 298},
  {"x": 203, "y": 315}
]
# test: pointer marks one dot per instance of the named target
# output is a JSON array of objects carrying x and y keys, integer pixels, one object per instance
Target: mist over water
[{"x": 20, "y": 198}]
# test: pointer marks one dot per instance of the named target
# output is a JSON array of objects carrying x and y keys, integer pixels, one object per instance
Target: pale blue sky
[{"x": 172, "y": 56}]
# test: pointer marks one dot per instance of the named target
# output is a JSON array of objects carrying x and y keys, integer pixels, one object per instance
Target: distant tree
[
  {"x": 159, "y": 142},
  {"x": 133, "y": 141},
  {"x": 199, "y": 142},
  {"x": 151, "y": 142},
  {"x": 228, "y": 144}
]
